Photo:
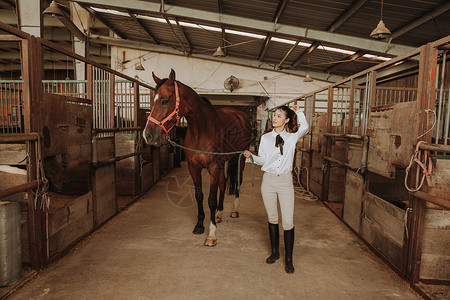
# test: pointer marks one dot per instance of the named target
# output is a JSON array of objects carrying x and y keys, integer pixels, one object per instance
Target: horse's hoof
[
  {"x": 218, "y": 219},
  {"x": 210, "y": 242},
  {"x": 198, "y": 230},
  {"x": 234, "y": 214}
]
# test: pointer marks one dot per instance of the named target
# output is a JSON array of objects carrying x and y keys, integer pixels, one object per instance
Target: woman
[{"x": 276, "y": 155}]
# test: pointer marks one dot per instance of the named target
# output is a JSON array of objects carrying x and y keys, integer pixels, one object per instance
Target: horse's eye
[{"x": 164, "y": 101}]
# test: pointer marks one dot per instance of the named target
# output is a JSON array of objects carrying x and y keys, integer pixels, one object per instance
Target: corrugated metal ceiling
[{"x": 322, "y": 15}]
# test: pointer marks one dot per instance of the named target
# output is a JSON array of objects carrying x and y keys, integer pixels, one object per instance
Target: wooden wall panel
[
  {"x": 54, "y": 124},
  {"x": 69, "y": 223},
  {"x": 126, "y": 169},
  {"x": 13, "y": 154},
  {"x": 147, "y": 177},
  {"x": 402, "y": 140},
  {"x": 379, "y": 127},
  {"x": 353, "y": 202},
  {"x": 156, "y": 164},
  {"x": 383, "y": 227},
  {"x": 105, "y": 193},
  {"x": 435, "y": 259}
]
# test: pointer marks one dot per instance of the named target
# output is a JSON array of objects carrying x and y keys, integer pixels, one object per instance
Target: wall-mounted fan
[{"x": 231, "y": 83}]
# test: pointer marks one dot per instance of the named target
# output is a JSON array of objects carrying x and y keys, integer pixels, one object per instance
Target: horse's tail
[{"x": 232, "y": 178}]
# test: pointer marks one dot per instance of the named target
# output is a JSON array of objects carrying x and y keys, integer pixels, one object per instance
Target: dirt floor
[{"x": 149, "y": 252}]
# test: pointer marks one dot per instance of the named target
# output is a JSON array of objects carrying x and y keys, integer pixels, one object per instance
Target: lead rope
[
  {"x": 221, "y": 153},
  {"x": 426, "y": 170}
]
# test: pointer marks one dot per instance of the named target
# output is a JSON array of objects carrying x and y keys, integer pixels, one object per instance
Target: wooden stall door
[{"x": 104, "y": 181}]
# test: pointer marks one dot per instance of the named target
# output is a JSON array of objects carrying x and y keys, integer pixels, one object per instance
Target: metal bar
[
  {"x": 351, "y": 106},
  {"x": 112, "y": 95},
  {"x": 109, "y": 130},
  {"x": 340, "y": 163},
  {"x": 434, "y": 147},
  {"x": 17, "y": 137},
  {"x": 443, "y": 202},
  {"x": 136, "y": 104},
  {"x": 108, "y": 161},
  {"x": 345, "y": 136},
  {"x": 330, "y": 109},
  {"x": 447, "y": 123},
  {"x": 18, "y": 189}
]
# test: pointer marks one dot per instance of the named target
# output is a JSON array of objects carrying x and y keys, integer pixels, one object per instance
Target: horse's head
[{"x": 165, "y": 112}]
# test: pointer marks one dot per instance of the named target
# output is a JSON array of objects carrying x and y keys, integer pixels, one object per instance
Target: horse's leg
[
  {"x": 214, "y": 171},
  {"x": 235, "y": 210},
  {"x": 222, "y": 187},
  {"x": 196, "y": 174}
]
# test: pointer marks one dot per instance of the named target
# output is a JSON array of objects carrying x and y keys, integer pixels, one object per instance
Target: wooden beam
[
  {"x": 105, "y": 22},
  {"x": 142, "y": 26},
  {"x": 350, "y": 58},
  {"x": 186, "y": 51},
  {"x": 263, "y": 50},
  {"x": 183, "y": 34},
  {"x": 286, "y": 55},
  {"x": 421, "y": 20},
  {"x": 347, "y": 14},
  {"x": 256, "y": 24},
  {"x": 278, "y": 12},
  {"x": 336, "y": 24}
]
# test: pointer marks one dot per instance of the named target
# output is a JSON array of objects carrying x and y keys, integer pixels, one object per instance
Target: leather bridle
[{"x": 169, "y": 117}]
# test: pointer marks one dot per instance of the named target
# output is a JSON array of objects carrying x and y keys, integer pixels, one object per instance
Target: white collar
[{"x": 274, "y": 133}]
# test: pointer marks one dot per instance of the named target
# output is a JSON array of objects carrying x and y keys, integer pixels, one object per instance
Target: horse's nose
[{"x": 147, "y": 137}]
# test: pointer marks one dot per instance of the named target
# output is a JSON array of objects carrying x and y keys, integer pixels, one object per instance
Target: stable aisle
[{"x": 149, "y": 252}]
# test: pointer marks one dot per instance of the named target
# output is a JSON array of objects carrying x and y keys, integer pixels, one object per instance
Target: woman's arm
[
  {"x": 303, "y": 125},
  {"x": 259, "y": 159}
]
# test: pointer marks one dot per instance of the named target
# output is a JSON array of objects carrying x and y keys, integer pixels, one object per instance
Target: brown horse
[{"x": 219, "y": 131}]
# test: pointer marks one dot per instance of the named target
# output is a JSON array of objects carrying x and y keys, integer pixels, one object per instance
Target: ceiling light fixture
[
  {"x": 308, "y": 77},
  {"x": 219, "y": 52},
  {"x": 380, "y": 32},
  {"x": 53, "y": 10}
]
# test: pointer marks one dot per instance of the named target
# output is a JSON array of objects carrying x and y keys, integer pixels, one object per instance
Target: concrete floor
[{"x": 149, "y": 252}]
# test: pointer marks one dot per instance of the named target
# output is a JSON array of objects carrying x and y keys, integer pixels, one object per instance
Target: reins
[
  {"x": 169, "y": 117},
  {"x": 221, "y": 153},
  {"x": 426, "y": 170},
  {"x": 175, "y": 112}
]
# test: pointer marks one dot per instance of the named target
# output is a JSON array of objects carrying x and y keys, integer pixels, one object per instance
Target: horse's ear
[
  {"x": 172, "y": 76},
  {"x": 156, "y": 78}
]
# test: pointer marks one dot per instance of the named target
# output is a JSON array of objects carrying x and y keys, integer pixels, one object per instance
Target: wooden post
[
  {"x": 425, "y": 100},
  {"x": 32, "y": 76}
]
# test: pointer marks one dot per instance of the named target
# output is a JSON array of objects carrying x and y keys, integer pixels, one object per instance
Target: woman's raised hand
[{"x": 247, "y": 153}]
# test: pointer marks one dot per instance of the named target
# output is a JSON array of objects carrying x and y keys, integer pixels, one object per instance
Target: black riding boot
[
  {"x": 289, "y": 246},
  {"x": 274, "y": 234}
]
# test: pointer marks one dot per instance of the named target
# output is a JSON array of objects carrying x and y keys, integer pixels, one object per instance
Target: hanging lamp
[
  {"x": 219, "y": 52},
  {"x": 308, "y": 77},
  {"x": 53, "y": 10},
  {"x": 381, "y": 31}
]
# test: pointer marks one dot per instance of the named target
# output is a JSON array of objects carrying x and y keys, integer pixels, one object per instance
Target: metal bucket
[{"x": 10, "y": 243}]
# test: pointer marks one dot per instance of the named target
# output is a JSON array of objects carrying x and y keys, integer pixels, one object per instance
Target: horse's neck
[{"x": 200, "y": 117}]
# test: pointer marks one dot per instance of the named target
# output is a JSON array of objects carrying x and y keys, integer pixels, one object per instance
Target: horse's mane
[{"x": 206, "y": 100}]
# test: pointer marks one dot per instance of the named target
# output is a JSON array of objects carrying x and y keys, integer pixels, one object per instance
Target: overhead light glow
[
  {"x": 237, "y": 32},
  {"x": 371, "y": 56},
  {"x": 110, "y": 11}
]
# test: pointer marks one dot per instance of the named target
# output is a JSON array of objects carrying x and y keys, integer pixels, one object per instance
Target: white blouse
[{"x": 270, "y": 157}]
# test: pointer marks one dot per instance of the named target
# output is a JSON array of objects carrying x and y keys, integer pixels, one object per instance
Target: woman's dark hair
[{"x": 292, "y": 125}]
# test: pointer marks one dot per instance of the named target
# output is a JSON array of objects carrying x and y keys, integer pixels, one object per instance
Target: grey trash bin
[{"x": 10, "y": 243}]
